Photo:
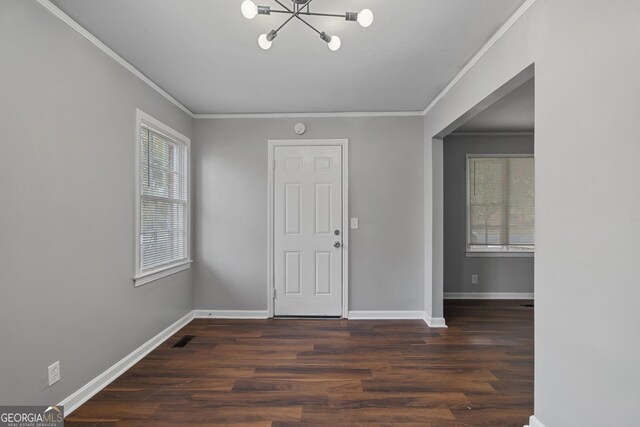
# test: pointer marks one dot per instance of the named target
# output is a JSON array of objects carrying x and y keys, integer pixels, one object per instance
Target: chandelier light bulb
[
  {"x": 263, "y": 42},
  {"x": 249, "y": 9},
  {"x": 335, "y": 43},
  {"x": 365, "y": 18}
]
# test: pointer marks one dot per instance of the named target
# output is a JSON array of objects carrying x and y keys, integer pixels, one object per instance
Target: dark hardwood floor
[{"x": 478, "y": 372}]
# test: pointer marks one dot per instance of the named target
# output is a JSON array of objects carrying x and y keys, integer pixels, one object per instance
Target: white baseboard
[
  {"x": 389, "y": 315},
  {"x": 230, "y": 314},
  {"x": 72, "y": 402},
  {"x": 85, "y": 393},
  {"x": 488, "y": 295},
  {"x": 534, "y": 422},
  {"x": 433, "y": 322}
]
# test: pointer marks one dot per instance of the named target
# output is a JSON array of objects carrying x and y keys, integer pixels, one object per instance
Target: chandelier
[{"x": 299, "y": 9}]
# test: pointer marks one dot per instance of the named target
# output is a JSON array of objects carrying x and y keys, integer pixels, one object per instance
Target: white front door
[{"x": 308, "y": 231}]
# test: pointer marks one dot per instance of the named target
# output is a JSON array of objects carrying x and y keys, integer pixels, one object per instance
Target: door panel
[
  {"x": 293, "y": 208},
  {"x": 323, "y": 273},
  {"x": 323, "y": 209},
  {"x": 293, "y": 269},
  {"x": 307, "y": 215}
]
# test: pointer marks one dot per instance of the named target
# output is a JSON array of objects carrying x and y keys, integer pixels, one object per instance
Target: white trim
[
  {"x": 85, "y": 393},
  {"x": 151, "y": 276},
  {"x": 488, "y": 45},
  {"x": 160, "y": 127},
  {"x": 499, "y": 254},
  {"x": 534, "y": 422},
  {"x": 492, "y": 41},
  {"x": 500, "y": 156},
  {"x": 344, "y": 143},
  {"x": 230, "y": 314},
  {"x": 491, "y": 133},
  {"x": 309, "y": 115},
  {"x": 388, "y": 315},
  {"x": 489, "y": 295},
  {"x": 55, "y": 10},
  {"x": 434, "y": 322},
  {"x": 143, "y": 277}
]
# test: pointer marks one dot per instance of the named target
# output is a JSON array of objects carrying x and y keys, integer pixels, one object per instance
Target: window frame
[
  {"x": 147, "y": 276},
  {"x": 495, "y": 250}
]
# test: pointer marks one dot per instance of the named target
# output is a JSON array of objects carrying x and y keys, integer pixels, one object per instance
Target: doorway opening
[
  {"x": 484, "y": 225},
  {"x": 434, "y": 300},
  {"x": 489, "y": 202}
]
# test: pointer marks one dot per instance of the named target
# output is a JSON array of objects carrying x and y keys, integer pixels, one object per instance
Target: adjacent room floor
[{"x": 478, "y": 372}]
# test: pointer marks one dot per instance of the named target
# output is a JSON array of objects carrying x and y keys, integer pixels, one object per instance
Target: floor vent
[
  {"x": 527, "y": 305},
  {"x": 184, "y": 340}
]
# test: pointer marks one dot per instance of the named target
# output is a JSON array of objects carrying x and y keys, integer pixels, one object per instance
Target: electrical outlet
[
  {"x": 474, "y": 279},
  {"x": 354, "y": 223},
  {"x": 54, "y": 373}
]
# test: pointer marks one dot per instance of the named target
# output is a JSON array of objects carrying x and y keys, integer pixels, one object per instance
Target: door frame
[{"x": 273, "y": 143}]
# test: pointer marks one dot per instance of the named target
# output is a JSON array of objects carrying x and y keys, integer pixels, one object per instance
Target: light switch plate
[
  {"x": 354, "y": 223},
  {"x": 54, "y": 373}
]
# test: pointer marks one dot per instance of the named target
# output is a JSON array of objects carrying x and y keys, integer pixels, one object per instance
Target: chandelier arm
[
  {"x": 291, "y": 11},
  {"x": 285, "y": 23},
  {"x": 332, "y": 15},
  {"x": 309, "y": 25},
  {"x": 284, "y": 6},
  {"x": 296, "y": 14},
  {"x": 302, "y": 7}
]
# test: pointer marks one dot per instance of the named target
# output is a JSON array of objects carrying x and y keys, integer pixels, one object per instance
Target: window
[
  {"x": 500, "y": 203},
  {"x": 162, "y": 201}
]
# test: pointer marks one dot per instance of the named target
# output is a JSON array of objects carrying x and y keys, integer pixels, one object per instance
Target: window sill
[
  {"x": 499, "y": 254},
  {"x": 153, "y": 275}
]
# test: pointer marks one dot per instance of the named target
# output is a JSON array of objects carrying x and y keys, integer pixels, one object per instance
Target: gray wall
[
  {"x": 587, "y": 200},
  {"x": 385, "y": 189},
  {"x": 506, "y": 274},
  {"x": 67, "y": 141}
]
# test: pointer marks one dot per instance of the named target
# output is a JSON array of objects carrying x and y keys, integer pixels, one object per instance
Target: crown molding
[
  {"x": 483, "y": 50},
  {"x": 310, "y": 115},
  {"x": 56, "y": 11}
]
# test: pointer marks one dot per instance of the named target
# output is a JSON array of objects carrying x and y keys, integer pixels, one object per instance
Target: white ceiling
[
  {"x": 205, "y": 53},
  {"x": 513, "y": 113}
]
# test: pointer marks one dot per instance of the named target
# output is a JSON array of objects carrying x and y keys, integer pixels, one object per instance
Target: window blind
[
  {"x": 501, "y": 204},
  {"x": 163, "y": 200}
]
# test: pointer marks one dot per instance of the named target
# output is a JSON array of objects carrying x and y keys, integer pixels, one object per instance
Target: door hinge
[
  {"x": 274, "y": 293},
  {"x": 274, "y": 164}
]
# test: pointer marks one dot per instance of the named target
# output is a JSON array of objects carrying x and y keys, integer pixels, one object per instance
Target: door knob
[{"x": 336, "y": 245}]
